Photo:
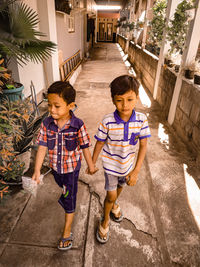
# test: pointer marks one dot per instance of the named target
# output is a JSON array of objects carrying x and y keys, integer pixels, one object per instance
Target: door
[
  {"x": 109, "y": 31},
  {"x": 101, "y": 31}
]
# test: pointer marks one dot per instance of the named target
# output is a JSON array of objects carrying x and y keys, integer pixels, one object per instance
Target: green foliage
[
  {"x": 11, "y": 170},
  {"x": 3, "y": 189},
  {"x": 4, "y": 75},
  {"x": 178, "y": 27},
  {"x": 12, "y": 118},
  {"x": 129, "y": 26},
  {"x": 18, "y": 34},
  {"x": 158, "y": 23}
]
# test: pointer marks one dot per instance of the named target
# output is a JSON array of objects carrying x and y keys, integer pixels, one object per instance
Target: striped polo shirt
[{"x": 120, "y": 139}]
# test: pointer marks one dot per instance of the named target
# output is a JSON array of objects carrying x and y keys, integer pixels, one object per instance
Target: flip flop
[
  {"x": 104, "y": 232},
  {"x": 63, "y": 240},
  {"x": 115, "y": 212}
]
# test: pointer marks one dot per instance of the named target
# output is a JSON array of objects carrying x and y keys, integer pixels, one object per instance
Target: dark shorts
[{"x": 69, "y": 183}]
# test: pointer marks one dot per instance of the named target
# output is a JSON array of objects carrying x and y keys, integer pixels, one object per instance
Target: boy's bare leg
[
  {"x": 119, "y": 190},
  {"x": 67, "y": 229},
  {"x": 108, "y": 204}
]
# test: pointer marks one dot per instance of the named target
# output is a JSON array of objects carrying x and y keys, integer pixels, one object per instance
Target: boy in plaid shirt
[{"x": 65, "y": 137}]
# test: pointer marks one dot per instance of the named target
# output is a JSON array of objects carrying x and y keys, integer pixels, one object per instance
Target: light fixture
[{"x": 107, "y": 7}]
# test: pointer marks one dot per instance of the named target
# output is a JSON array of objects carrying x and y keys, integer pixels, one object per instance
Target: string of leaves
[
  {"x": 178, "y": 27},
  {"x": 157, "y": 24}
]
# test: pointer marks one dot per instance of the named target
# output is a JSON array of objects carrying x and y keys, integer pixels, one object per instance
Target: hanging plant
[
  {"x": 178, "y": 27},
  {"x": 157, "y": 24}
]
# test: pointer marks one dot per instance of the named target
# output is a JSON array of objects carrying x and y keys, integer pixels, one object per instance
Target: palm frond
[{"x": 18, "y": 34}]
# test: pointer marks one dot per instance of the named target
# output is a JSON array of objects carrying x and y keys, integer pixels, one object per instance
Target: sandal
[
  {"x": 115, "y": 214},
  {"x": 63, "y": 240},
  {"x": 104, "y": 232}
]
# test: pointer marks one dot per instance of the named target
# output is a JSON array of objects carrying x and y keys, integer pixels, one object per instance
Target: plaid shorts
[{"x": 112, "y": 181}]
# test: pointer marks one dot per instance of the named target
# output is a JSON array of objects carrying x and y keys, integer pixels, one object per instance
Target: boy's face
[
  {"x": 125, "y": 104},
  {"x": 58, "y": 108}
]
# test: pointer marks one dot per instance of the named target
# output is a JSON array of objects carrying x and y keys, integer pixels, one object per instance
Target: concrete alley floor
[{"x": 162, "y": 215}]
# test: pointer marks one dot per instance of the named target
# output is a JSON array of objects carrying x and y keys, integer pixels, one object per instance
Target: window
[{"x": 71, "y": 24}]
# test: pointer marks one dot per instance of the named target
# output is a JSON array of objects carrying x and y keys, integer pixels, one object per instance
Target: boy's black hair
[
  {"x": 123, "y": 84},
  {"x": 64, "y": 90}
]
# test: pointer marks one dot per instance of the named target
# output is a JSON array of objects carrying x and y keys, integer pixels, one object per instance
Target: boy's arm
[
  {"x": 133, "y": 175},
  {"x": 88, "y": 159},
  {"x": 38, "y": 162},
  {"x": 97, "y": 149}
]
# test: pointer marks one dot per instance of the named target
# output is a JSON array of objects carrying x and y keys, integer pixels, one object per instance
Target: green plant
[
  {"x": 9, "y": 129},
  {"x": 157, "y": 24},
  {"x": 4, "y": 75},
  {"x": 193, "y": 66},
  {"x": 178, "y": 27},
  {"x": 128, "y": 25},
  {"x": 3, "y": 189},
  {"x": 18, "y": 124},
  {"x": 18, "y": 34}
]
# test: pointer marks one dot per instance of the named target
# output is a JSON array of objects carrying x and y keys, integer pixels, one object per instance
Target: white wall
[
  {"x": 69, "y": 43},
  {"x": 31, "y": 71}
]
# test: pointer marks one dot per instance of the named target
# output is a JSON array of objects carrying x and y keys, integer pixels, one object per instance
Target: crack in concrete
[{"x": 98, "y": 197}]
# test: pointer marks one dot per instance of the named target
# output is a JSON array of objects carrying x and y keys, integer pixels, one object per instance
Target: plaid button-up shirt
[{"x": 64, "y": 145}]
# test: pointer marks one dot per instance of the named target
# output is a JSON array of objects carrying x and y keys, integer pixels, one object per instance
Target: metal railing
[{"x": 69, "y": 65}]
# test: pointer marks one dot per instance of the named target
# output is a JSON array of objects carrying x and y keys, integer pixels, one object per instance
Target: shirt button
[
  {"x": 59, "y": 144},
  {"x": 58, "y": 153},
  {"x": 58, "y": 161}
]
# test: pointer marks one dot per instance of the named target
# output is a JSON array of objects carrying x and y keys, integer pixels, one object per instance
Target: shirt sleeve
[
  {"x": 83, "y": 137},
  {"x": 145, "y": 131},
  {"x": 102, "y": 132},
  {"x": 42, "y": 136}
]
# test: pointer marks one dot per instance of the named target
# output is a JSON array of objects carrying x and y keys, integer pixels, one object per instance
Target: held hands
[
  {"x": 131, "y": 178},
  {"x": 91, "y": 170}
]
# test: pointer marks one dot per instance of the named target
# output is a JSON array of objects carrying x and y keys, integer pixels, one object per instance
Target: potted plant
[
  {"x": 197, "y": 74},
  {"x": 19, "y": 40},
  {"x": 8, "y": 88},
  {"x": 191, "y": 68},
  {"x": 18, "y": 125},
  {"x": 168, "y": 60},
  {"x": 140, "y": 24}
]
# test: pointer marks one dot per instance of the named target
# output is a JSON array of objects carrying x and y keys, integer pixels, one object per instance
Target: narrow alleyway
[{"x": 162, "y": 215}]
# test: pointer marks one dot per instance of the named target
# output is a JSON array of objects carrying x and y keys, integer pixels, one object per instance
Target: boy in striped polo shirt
[
  {"x": 65, "y": 137},
  {"x": 118, "y": 135}
]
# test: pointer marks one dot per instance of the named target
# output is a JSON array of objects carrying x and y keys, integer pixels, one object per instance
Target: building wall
[
  {"x": 68, "y": 42},
  {"x": 166, "y": 89},
  {"x": 145, "y": 65},
  {"x": 187, "y": 117}
]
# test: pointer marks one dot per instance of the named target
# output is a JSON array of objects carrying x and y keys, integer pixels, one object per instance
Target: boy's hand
[
  {"x": 131, "y": 178},
  {"x": 91, "y": 171},
  {"x": 36, "y": 176}
]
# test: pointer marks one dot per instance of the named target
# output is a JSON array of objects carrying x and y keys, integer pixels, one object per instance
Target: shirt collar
[
  {"x": 74, "y": 122},
  {"x": 119, "y": 120}
]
